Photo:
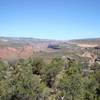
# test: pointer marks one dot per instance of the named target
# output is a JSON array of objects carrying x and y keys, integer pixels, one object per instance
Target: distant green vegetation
[{"x": 34, "y": 79}]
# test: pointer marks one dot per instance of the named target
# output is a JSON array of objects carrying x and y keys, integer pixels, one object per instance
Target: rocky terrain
[
  {"x": 16, "y": 48},
  {"x": 22, "y": 47}
]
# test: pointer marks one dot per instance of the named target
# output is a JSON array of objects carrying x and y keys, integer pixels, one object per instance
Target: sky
[{"x": 50, "y": 19}]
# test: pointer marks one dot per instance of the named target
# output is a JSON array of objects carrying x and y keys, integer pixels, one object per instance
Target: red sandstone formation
[{"x": 10, "y": 52}]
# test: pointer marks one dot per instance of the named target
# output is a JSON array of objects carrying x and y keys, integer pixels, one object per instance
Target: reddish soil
[
  {"x": 9, "y": 52},
  {"x": 22, "y": 52}
]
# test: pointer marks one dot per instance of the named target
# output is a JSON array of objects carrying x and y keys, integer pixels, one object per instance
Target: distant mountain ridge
[
  {"x": 27, "y": 39},
  {"x": 91, "y": 41}
]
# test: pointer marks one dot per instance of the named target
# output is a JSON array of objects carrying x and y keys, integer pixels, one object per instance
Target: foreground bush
[{"x": 33, "y": 79}]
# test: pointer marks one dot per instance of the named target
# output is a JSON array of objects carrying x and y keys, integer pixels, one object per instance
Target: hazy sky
[{"x": 51, "y": 19}]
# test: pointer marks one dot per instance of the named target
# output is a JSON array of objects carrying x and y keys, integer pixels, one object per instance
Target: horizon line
[{"x": 26, "y": 37}]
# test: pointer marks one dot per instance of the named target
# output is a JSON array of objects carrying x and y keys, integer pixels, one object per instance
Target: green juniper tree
[{"x": 71, "y": 83}]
